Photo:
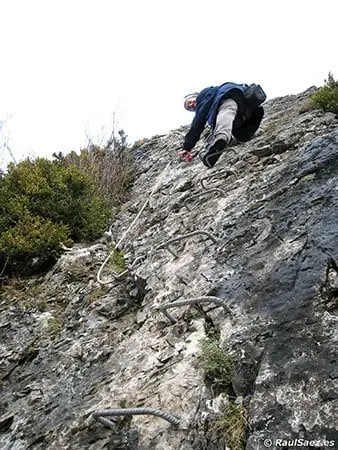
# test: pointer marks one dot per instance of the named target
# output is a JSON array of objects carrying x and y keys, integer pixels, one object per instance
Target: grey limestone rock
[{"x": 70, "y": 346}]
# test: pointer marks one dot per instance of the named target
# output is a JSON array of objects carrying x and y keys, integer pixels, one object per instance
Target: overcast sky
[{"x": 68, "y": 65}]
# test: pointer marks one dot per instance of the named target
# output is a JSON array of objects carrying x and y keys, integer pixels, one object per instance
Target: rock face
[{"x": 70, "y": 346}]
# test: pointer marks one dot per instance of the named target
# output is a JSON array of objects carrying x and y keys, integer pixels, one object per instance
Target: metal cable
[
  {"x": 4, "y": 267},
  {"x": 98, "y": 277}
]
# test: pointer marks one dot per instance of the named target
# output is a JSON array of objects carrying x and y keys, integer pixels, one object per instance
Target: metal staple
[
  {"x": 138, "y": 259},
  {"x": 185, "y": 236},
  {"x": 192, "y": 301},
  {"x": 208, "y": 191},
  {"x": 216, "y": 174},
  {"x": 174, "y": 420}
]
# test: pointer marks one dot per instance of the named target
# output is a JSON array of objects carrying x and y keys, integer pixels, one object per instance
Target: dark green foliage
[
  {"x": 43, "y": 203},
  {"x": 327, "y": 97}
]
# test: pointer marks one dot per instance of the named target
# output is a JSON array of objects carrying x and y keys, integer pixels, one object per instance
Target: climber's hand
[{"x": 185, "y": 155}]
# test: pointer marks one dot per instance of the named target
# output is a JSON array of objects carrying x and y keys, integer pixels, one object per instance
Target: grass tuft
[
  {"x": 217, "y": 364},
  {"x": 231, "y": 426}
]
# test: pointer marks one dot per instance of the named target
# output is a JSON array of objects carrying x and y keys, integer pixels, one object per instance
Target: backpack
[{"x": 254, "y": 95}]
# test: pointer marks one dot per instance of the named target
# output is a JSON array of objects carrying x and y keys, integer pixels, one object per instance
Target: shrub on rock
[
  {"x": 43, "y": 203},
  {"x": 326, "y": 97}
]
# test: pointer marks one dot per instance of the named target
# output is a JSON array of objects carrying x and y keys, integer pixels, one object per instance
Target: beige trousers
[{"x": 226, "y": 115}]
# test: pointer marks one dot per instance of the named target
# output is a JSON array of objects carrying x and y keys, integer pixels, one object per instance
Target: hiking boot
[{"x": 211, "y": 155}]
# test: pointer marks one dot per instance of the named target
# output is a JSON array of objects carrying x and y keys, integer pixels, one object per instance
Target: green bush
[
  {"x": 43, "y": 203},
  {"x": 326, "y": 97}
]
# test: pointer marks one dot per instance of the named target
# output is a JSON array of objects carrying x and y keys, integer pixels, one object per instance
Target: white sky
[{"x": 67, "y": 65}]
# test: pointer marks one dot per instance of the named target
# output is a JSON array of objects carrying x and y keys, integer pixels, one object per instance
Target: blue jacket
[{"x": 208, "y": 102}]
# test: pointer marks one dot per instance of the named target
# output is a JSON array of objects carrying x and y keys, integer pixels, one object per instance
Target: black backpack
[{"x": 254, "y": 96}]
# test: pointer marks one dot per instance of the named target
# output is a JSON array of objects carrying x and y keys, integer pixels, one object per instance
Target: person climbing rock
[{"x": 232, "y": 110}]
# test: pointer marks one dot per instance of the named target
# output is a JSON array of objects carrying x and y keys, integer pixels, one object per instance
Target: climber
[{"x": 231, "y": 111}]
